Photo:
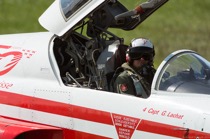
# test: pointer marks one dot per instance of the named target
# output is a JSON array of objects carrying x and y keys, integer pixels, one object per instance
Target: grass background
[{"x": 179, "y": 24}]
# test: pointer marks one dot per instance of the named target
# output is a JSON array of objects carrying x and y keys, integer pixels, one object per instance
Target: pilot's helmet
[{"x": 141, "y": 48}]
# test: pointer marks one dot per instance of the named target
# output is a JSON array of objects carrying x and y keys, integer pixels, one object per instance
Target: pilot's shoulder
[{"x": 124, "y": 75}]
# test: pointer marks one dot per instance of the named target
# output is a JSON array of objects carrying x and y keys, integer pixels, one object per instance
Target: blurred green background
[{"x": 179, "y": 24}]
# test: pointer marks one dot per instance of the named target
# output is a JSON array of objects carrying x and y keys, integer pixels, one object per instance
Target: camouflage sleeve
[{"x": 124, "y": 84}]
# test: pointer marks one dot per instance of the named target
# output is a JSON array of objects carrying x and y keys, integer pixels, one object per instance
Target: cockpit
[{"x": 185, "y": 72}]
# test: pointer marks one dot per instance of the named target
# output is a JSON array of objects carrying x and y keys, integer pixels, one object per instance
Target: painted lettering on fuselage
[{"x": 163, "y": 113}]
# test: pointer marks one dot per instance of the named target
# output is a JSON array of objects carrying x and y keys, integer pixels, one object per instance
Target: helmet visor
[
  {"x": 148, "y": 57},
  {"x": 141, "y": 52}
]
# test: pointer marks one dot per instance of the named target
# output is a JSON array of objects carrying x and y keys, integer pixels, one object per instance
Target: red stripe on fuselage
[
  {"x": 170, "y": 130},
  {"x": 53, "y": 107},
  {"x": 162, "y": 129}
]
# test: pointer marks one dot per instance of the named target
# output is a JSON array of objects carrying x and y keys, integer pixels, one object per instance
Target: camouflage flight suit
[{"x": 131, "y": 83}]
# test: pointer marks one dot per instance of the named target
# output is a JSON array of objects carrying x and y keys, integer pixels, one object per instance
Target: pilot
[{"x": 135, "y": 76}]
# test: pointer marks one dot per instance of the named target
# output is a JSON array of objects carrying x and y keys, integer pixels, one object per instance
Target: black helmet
[{"x": 141, "y": 48}]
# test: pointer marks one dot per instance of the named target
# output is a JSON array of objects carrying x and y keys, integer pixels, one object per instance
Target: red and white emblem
[
  {"x": 123, "y": 87},
  {"x": 125, "y": 125},
  {"x": 8, "y": 60}
]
